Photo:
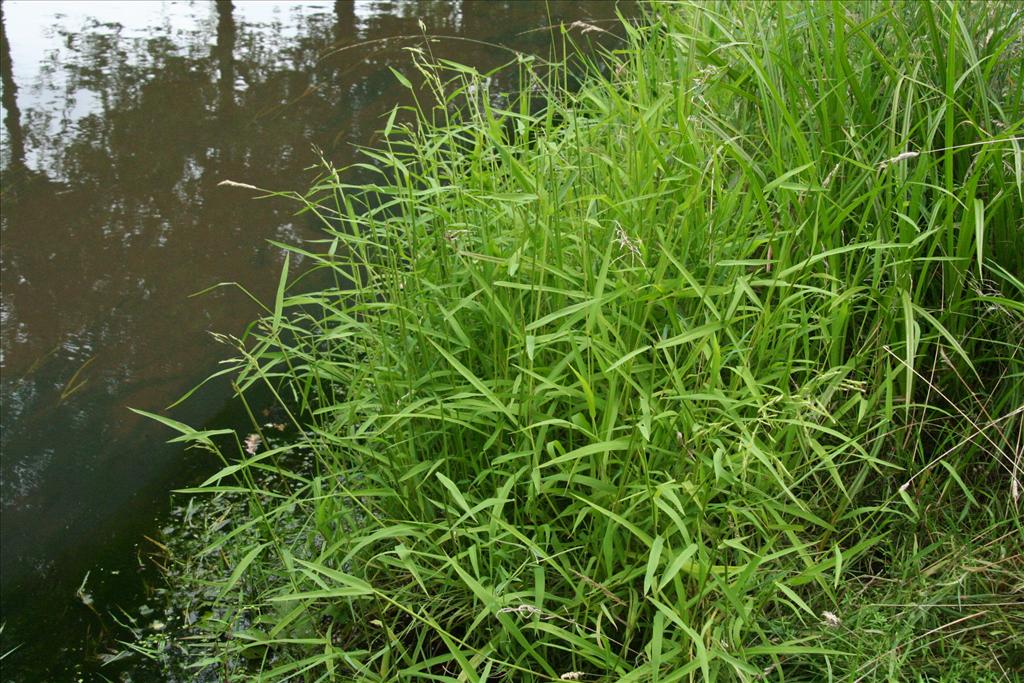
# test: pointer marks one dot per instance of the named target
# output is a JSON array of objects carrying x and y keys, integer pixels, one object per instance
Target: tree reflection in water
[{"x": 119, "y": 122}]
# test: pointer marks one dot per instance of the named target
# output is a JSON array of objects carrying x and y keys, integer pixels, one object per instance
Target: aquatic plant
[{"x": 710, "y": 369}]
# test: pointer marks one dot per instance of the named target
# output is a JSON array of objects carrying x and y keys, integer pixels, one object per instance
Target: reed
[{"x": 707, "y": 370}]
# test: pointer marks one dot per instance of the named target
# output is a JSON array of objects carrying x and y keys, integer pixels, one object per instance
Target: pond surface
[{"x": 119, "y": 121}]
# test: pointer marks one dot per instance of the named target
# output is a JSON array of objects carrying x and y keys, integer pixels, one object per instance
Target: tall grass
[{"x": 708, "y": 370}]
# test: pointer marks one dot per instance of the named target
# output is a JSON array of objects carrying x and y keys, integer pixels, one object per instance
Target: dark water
[{"x": 119, "y": 120}]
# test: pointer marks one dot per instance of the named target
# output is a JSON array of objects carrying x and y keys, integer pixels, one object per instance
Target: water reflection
[
  {"x": 119, "y": 120},
  {"x": 15, "y": 142}
]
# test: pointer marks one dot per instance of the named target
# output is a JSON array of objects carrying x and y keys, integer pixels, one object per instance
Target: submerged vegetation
[{"x": 708, "y": 369}]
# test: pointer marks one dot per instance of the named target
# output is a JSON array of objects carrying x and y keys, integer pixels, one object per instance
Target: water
[{"x": 120, "y": 120}]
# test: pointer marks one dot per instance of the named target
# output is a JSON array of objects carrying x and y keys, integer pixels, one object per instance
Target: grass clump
[{"x": 708, "y": 370}]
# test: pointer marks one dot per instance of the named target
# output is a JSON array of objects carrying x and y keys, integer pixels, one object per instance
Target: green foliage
[{"x": 710, "y": 369}]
